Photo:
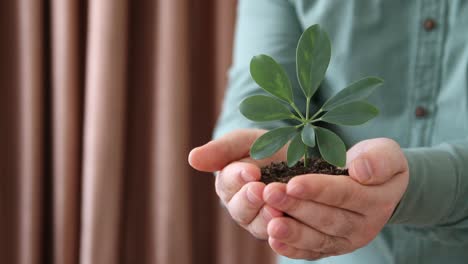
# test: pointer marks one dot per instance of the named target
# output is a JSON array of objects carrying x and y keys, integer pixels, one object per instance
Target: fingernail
[
  {"x": 275, "y": 197},
  {"x": 247, "y": 176},
  {"x": 282, "y": 230},
  {"x": 252, "y": 197},
  {"x": 363, "y": 170}
]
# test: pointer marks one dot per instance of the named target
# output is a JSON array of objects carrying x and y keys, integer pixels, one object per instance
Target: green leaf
[
  {"x": 355, "y": 92},
  {"x": 352, "y": 114},
  {"x": 296, "y": 150},
  {"x": 264, "y": 108},
  {"x": 312, "y": 59},
  {"x": 267, "y": 73},
  {"x": 272, "y": 141},
  {"x": 331, "y": 147},
  {"x": 308, "y": 135}
]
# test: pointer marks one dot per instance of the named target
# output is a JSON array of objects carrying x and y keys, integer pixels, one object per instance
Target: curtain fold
[
  {"x": 137, "y": 226},
  {"x": 67, "y": 78},
  {"x": 171, "y": 216},
  {"x": 100, "y": 102},
  {"x": 8, "y": 131},
  {"x": 104, "y": 131},
  {"x": 31, "y": 137}
]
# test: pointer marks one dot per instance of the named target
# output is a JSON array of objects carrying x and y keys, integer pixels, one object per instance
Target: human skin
[{"x": 314, "y": 215}]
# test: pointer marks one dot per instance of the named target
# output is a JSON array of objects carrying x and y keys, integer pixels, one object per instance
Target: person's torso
[{"x": 420, "y": 49}]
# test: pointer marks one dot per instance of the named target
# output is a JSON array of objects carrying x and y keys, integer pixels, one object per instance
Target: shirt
[{"x": 420, "y": 49}]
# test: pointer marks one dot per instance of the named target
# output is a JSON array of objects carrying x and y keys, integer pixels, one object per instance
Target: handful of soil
[{"x": 280, "y": 172}]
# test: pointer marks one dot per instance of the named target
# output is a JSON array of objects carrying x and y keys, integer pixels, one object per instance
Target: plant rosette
[{"x": 348, "y": 107}]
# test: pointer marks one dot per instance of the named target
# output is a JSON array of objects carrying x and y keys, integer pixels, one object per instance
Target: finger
[
  {"x": 258, "y": 226},
  {"x": 329, "y": 220},
  {"x": 344, "y": 192},
  {"x": 375, "y": 161},
  {"x": 337, "y": 191},
  {"x": 292, "y": 252},
  {"x": 297, "y": 235},
  {"x": 216, "y": 154},
  {"x": 231, "y": 179},
  {"x": 246, "y": 204}
]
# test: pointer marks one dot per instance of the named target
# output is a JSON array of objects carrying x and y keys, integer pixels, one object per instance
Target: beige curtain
[{"x": 100, "y": 102}]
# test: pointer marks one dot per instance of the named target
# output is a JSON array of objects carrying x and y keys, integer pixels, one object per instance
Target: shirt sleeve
[
  {"x": 262, "y": 27},
  {"x": 435, "y": 203}
]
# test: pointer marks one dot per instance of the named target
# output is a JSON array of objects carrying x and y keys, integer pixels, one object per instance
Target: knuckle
[
  {"x": 233, "y": 182},
  {"x": 240, "y": 209},
  {"x": 241, "y": 219},
  {"x": 227, "y": 184}
]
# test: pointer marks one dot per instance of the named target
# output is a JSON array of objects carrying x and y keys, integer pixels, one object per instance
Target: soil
[{"x": 280, "y": 172}]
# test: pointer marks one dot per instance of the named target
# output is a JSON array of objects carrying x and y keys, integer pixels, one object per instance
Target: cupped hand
[
  {"x": 237, "y": 181},
  {"x": 333, "y": 215}
]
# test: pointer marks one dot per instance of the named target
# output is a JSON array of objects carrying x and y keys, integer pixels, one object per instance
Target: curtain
[{"x": 100, "y": 102}]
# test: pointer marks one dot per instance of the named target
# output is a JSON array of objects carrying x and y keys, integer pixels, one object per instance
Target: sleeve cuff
[{"x": 431, "y": 189}]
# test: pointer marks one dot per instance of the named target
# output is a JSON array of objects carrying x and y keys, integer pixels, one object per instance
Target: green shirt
[{"x": 420, "y": 49}]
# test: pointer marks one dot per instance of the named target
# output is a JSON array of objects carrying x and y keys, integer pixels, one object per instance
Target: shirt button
[
  {"x": 429, "y": 24},
  {"x": 420, "y": 112}
]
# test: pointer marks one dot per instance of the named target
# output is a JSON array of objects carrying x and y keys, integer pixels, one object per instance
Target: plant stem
[
  {"x": 306, "y": 156},
  {"x": 307, "y": 107},
  {"x": 316, "y": 114},
  {"x": 297, "y": 110},
  {"x": 297, "y": 118}
]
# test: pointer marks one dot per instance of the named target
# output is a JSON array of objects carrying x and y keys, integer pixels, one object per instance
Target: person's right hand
[{"x": 237, "y": 181}]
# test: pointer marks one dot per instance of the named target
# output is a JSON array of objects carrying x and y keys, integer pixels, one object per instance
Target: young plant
[{"x": 347, "y": 107}]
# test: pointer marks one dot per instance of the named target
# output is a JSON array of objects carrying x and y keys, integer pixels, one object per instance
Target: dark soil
[{"x": 280, "y": 172}]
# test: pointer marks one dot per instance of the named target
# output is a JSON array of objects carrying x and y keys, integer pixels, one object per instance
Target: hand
[
  {"x": 333, "y": 215},
  {"x": 237, "y": 183}
]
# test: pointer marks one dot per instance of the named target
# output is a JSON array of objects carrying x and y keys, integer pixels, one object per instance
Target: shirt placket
[{"x": 427, "y": 69}]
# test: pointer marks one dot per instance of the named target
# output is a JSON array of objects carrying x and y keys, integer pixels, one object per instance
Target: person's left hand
[{"x": 333, "y": 215}]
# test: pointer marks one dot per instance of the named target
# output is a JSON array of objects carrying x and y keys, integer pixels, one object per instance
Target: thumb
[
  {"x": 375, "y": 161},
  {"x": 216, "y": 154}
]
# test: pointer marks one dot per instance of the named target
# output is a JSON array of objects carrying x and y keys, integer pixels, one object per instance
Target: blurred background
[{"x": 100, "y": 103}]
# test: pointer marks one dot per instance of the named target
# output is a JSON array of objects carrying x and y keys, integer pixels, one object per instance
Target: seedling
[{"x": 347, "y": 107}]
